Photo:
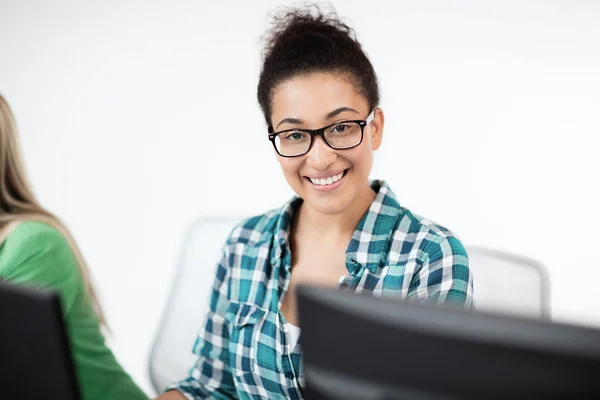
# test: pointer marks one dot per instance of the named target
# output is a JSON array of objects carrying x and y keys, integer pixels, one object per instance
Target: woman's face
[{"x": 312, "y": 102}]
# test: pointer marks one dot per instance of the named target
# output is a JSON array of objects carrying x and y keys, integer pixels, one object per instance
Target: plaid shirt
[{"x": 244, "y": 351}]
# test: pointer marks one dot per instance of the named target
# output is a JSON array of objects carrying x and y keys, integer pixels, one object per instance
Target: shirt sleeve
[
  {"x": 37, "y": 255},
  {"x": 444, "y": 276},
  {"x": 211, "y": 376}
]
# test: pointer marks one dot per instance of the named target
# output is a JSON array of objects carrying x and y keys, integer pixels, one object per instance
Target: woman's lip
[
  {"x": 325, "y": 175},
  {"x": 327, "y": 188}
]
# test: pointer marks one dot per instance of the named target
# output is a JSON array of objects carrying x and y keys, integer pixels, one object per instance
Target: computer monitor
[
  {"x": 357, "y": 346},
  {"x": 35, "y": 358}
]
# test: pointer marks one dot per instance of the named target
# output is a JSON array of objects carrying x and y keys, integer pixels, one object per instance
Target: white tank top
[{"x": 294, "y": 334}]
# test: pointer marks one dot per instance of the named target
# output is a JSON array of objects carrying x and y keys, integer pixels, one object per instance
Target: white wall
[{"x": 138, "y": 117}]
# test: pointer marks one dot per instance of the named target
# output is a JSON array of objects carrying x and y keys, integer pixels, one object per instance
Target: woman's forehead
[{"x": 314, "y": 96}]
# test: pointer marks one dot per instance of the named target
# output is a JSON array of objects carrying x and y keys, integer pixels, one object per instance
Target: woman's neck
[{"x": 330, "y": 226}]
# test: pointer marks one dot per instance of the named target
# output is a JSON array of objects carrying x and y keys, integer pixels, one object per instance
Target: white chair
[
  {"x": 503, "y": 282},
  {"x": 508, "y": 283},
  {"x": 171, "y": 356}
]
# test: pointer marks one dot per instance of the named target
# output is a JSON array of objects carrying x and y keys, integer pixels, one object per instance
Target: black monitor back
[
  {"x": 357, "y": 346},
  {"x": 35, "y": 358}
]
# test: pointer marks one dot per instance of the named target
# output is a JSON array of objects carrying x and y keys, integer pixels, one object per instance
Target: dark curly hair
[{"x": 306, "y": 40}]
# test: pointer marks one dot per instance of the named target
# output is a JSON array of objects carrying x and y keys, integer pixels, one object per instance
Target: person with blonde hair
[{"x": 37, "y": 250}]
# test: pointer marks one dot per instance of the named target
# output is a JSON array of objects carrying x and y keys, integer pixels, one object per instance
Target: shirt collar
[
  {"x": 284, "y": 223},
  {"x": 372, "y": 235}
]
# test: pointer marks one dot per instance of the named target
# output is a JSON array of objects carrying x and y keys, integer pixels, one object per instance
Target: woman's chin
[{"x": 330, "y": 205}]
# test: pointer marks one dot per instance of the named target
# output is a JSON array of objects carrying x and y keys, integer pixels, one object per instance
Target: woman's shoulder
[
  {"x": 425, "y": 225},
  {"x": 33, "y": 243},
  {"x": 409, "y": 224},
  {"x": 256, "y": 229},
  {"x": 432, "y": 236},
  {"x": 35, "y": 234}
]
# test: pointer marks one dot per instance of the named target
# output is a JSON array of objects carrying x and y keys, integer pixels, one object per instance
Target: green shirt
[{"x": 36, "y": 254}]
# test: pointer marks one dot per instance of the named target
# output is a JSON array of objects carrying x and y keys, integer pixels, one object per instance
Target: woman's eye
[{"x": 294, "y": 135}]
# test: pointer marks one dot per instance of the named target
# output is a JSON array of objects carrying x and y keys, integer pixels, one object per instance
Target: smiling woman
[{"x": 320, "y": 98}]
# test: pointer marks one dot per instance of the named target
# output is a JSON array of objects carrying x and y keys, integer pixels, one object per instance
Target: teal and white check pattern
[{"x": 243, "y": 350}]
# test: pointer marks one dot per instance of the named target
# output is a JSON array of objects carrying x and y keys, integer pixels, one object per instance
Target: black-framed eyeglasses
[{"x": 342, "y": 135}]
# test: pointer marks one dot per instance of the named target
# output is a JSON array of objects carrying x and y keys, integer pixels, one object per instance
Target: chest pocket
[{"x": 245, "y": 322}]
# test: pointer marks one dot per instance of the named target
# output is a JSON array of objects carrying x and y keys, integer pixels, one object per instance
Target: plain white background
[{"x": 138, "y": 117}]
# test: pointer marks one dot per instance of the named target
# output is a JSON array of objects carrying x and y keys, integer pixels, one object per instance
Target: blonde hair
[{"x": 18, "y": 203}]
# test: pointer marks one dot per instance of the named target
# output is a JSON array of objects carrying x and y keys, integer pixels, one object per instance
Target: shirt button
[{"x": 289, "y": 375}]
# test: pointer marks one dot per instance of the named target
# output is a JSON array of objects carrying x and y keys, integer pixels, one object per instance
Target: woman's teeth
[{"x": 327, "y": 181}]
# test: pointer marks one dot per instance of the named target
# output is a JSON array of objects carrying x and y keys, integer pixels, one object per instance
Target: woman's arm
[
  {"x": 37, "y": 255},
  {"x": 172, "y": 395},
  {"x": 445, "y": 276}
]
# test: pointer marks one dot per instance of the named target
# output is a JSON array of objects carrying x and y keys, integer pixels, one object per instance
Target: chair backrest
[
  {"x": 508, "y": 283},
  {"x": 503, "y": 282},
  {"x": 171, "y": 357}
]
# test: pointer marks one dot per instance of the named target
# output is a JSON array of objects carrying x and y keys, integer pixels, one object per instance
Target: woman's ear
[{"x": 377, "y": 128}]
